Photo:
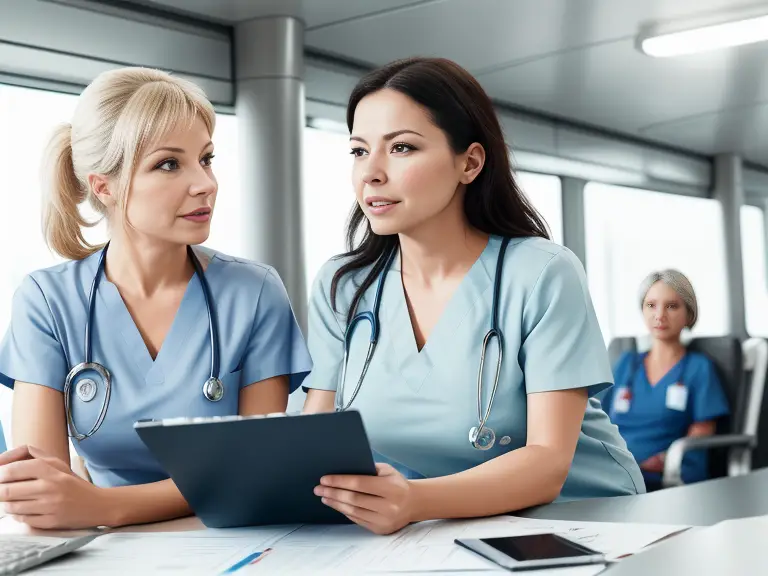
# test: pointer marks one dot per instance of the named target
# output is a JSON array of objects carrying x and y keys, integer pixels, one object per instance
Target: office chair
[
  {"x": 741, "y": 368},
  {"x": 760, "y": 454},
  {"x": 739, "y": 433},
  {"x": 618, "y": 346}
]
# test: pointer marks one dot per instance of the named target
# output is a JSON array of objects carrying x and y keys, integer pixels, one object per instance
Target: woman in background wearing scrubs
[
  {"x": 433, "y": 182},
  {"x": 666, "y": 393},
  {"x": 139, "y": 150}
]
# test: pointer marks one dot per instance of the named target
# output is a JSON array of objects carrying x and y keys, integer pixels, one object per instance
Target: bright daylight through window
[{"x": 630, "y": 233}]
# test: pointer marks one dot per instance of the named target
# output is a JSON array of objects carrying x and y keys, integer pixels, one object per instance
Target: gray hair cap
[{"x": 680, "y": 284}]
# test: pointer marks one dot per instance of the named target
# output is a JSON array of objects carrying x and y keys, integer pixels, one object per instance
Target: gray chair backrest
[
  {"x": 757, "y": 417},
  {"x": 726, "y": 354},
  {"x": 619, "y": 346}
]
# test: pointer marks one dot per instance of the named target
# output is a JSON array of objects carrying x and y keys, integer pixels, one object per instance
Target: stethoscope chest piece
[
  {"x": 213, "y": 389},
  {"x": 482, "y": 438},
  {"x": 86, "y": 389}
]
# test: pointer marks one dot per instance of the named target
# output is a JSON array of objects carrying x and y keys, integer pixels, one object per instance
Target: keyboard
[{"x": 19, "y": 553}]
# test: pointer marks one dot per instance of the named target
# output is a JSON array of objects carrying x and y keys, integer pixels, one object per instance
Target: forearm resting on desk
[
  {"x": 529, "y": 476},
  {"x": 143, "y": 503}
]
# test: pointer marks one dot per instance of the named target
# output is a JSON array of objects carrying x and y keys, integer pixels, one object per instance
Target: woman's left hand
[
  {"x": 42, "y": 491},
  {"x": 654, "y": 464},
  {"x": 382, "y": 504}
]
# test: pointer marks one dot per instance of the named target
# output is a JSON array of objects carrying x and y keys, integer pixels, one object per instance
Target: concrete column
[
  {"x": 269, "y": 68},
  {"x": 729, "y": 191},
  {"x": 574, "y": 232}
]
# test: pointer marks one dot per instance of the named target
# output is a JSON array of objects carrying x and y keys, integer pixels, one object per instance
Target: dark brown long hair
[{"x": 459, "y": 106}]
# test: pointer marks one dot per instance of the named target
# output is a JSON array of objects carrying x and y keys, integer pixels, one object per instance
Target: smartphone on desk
[{"x": 532, "y": 551}]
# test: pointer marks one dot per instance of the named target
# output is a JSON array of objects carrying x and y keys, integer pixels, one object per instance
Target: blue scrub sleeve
[
  {"x": 31, "y": 351},
  {"x": 276, "y": 346},
  {"x": 709, "y": 401},
  {"x": 562, "y": 346},
  {"x": 326, "y": 337}
]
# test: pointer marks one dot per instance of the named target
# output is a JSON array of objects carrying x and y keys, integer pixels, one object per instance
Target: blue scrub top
[
  {"x": 258, "y": 339},
  {"x": 418, "y": 405},
  {"x": 650, "y": 425}
]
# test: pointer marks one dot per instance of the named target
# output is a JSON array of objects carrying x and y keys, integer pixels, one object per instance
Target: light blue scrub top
[
  {"x": 258, "y": 339},
  {"x": 649, "y": 425},
  {"x": 418, "y": 406}
]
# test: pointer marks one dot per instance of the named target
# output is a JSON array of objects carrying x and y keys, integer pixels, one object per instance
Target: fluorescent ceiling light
[{"x": 706, "y": 38}]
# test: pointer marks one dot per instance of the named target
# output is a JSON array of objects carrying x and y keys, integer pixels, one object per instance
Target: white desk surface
[{"x": 9, "y": 526}]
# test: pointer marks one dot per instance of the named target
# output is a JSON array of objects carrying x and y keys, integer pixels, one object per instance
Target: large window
[
  {"x": 328, "y": 197},
  {"x": 227, "y": 226},
  {"x": 544, "y": 193},
  {"x": 27, "y": 118},
  {"x": 630, "y": 233},
  {"x": 753, "y": 246}
]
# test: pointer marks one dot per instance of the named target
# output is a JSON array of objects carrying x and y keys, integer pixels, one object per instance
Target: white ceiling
[
  {"x": 314, "y": 12},
  {"x": 574, "y": 59}
]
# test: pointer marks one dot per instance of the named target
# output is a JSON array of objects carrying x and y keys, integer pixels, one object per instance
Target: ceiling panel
[
  {"x": 573, "y": 59},
  {"x": 313, "y": 12},
  {"x": 326, "y": 12},
  {"x": 740, "y": 130},
  {"x": 616, "y": 87},
  {"x": 482, "y": 34},
  {"x": 228, "y": 11}
]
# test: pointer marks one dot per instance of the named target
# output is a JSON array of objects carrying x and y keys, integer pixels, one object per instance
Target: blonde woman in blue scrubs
[
  {"x": 139, "y": 151},
  {"x": 434, "y": 185}
]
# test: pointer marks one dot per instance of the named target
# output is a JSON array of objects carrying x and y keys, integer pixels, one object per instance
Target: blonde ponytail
[
  {"x": 118, "y": 115},
  {"x": 63, "y": 193}
]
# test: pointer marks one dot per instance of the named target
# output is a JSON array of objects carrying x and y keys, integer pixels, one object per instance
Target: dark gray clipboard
[{"x": 255, "y": 471}]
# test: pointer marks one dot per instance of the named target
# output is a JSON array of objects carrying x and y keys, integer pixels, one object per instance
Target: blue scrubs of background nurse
[
  {"x": 668, "y": 392},
  {"x": 434, "y": 186},
  {"x": 139, "y": 150}
]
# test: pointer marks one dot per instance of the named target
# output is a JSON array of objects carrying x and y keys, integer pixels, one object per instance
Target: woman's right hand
[{"x": 42, "y": 491}]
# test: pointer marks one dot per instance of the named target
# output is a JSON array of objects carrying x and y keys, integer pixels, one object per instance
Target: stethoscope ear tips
[{"x": 483, "y": 438}]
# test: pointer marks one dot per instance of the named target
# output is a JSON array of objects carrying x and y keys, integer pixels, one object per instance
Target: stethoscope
[
  {"x": 86, "y": 389},
  {"x": 481, "y": 436}
]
